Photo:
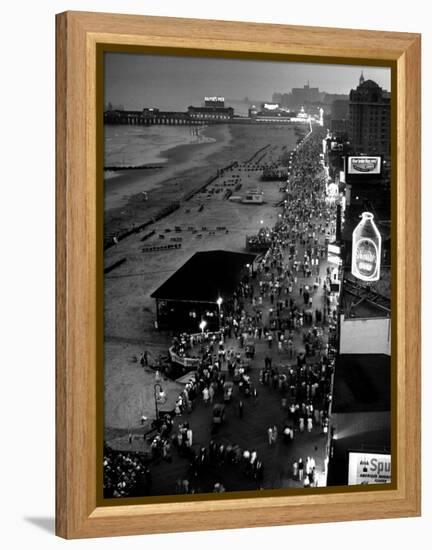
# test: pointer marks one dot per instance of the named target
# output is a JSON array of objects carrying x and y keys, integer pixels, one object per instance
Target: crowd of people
[
  {"x": 126, "y": 474},
  {"x": 276, "y": 304},
  {"x": 212, "y": 459}
]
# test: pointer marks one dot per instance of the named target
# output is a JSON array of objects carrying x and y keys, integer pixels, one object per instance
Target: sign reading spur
[
  {"x": 368, "y": 468},
  {"x": 366, "y": 250},
  {"x": 364, "y": 165}
]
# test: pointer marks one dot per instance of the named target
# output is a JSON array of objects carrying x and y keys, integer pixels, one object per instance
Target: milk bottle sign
[{"x": 366, "y": 250}]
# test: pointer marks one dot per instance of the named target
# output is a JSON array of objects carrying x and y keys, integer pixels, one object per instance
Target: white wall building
[{"x": 365, "y": 335}]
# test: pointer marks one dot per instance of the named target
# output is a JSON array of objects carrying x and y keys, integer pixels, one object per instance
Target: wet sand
[
  {"x": 127, "y": 145},
  {"x": 121, "y": 186}
]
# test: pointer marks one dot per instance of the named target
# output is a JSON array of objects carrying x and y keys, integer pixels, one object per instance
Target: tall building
[
  {"x": 301, "y": 96},
  {"x": 277, "y": 97},
  {"x": 340, "y": 109},
  {"x": 339, "y": 118},
  {"x": 307, "y": 96},
  {"x": 329, "y": 99},
  {"x": 369, "y": 119}
]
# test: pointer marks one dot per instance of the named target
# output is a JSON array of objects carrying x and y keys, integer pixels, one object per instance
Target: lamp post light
[
  {"x": 219, "y": 303},
  {"x": 202, "y": 326},
  {"x": 158, "y": 394}
]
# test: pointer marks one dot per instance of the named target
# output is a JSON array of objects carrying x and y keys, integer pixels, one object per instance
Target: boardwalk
[{"x": 250, "y": 431}]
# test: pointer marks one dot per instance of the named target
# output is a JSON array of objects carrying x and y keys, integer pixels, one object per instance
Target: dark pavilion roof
[{"x": 205, "y": 277}]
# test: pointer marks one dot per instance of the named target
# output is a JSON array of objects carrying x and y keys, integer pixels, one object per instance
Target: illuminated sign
[
  {"x": 368, "y": 468},
  {"x": 324, "y": 145},
  {"x": 333, "y": 254},
  {"x": 332, "y": 190},
  {"x": 271, "y": 106},
  {"x": 343, "y": 204},
  {"x": 364, "y": 165},
  {"x": 214, "y": 98},
  {"x": 334, "y": 259},
  {"x": 366, "y": 250}
]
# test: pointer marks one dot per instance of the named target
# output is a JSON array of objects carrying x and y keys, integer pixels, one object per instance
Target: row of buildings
[
  {"x": 364, "y": 119},
  {"x": 308, "y": 97},
  {"x": 361, "y": 118},
  {"x": 356, "y": 157},
  {"x": 213, "y": 110}
]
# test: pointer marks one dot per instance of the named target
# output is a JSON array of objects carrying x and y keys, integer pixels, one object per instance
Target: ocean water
[{"x": 137, "y": 145}]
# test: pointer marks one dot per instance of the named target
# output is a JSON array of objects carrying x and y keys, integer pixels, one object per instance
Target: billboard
[
  {"x": 366, "y": 249},
  {"x": 214, "y": 98},
  {"x": 364, "y": 165},
  {"x": 368, "y": 468},
  {"x": 214, "y": 101},
  {"x": 333, "y": 254},
  {"x": 271, "y": 106}
]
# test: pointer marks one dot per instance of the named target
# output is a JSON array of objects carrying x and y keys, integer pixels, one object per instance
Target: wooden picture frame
[{"x": 78, "y": 295}]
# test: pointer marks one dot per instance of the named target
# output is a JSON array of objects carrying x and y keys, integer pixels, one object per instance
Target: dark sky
[{"x": 136, "y": 80}]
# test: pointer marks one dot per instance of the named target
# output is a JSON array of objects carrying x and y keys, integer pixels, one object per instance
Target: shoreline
[
  {"x": 122, "y": 185},
  {"x": 161, "y": 158},
  {"x": 186, "y": 150}
]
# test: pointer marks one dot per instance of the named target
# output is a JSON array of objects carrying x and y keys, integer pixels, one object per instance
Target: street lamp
[
  {"x": 219, "y": 303},
  {"x": 158, "y": 394},
  {"x": 202, "y": 325}
]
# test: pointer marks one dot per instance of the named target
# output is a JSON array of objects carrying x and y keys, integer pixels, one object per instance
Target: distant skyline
[{"x": 169, "y": 82}]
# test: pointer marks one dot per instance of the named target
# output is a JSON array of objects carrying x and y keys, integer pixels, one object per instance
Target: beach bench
[{"x": 161, "y": 248}]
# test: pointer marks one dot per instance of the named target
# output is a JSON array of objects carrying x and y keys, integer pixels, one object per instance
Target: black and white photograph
[{"x": 247, "y": 275}]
